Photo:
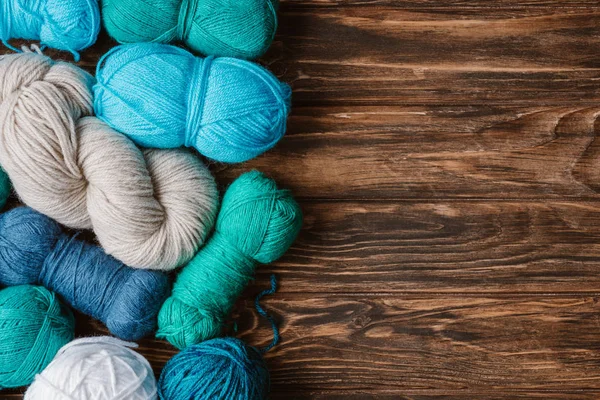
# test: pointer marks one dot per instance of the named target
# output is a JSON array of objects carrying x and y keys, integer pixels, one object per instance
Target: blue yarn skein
[
  {"x": 33, "y": 250},
  {"x": 162, "y": 96},
  {"x": 70, "y": 25}
]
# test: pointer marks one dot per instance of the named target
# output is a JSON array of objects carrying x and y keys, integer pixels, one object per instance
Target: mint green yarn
[
  {"x": 34, "y": 325},
  {"x": 230, "y": 28},
  {"x": 257, "y": 224},
  {"x": 5, "y": 188}
]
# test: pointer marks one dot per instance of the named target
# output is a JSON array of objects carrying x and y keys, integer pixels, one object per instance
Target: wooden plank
[
  {"x": 357, "y": 55},
  {"x": 439, "y": 4},
  {"x": 509, "y": 248},
  {"x": 400, "y": 345},
  {"x": 442, "y": 152},
  {"x": 423, "y": 348}
]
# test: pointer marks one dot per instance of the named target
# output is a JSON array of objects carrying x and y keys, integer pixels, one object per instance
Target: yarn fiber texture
[
  {"x": 256, "y": 225},
  {"x": 96, "y": 368},
  {"x": 70, "y": 25},
  {"x": 33, "y": 250},
  {"x": 34, "y": 325},
  {"x": 162, "y": 96},
  {"x": 5, "y": 188},
  {"x": 232, "y": 28},
  {"x": 149, "y": 209},
  {"x": 223, "y": 368}
]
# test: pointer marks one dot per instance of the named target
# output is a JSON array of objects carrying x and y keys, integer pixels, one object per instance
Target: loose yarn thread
[
  {"x": 162, "y": 96},
  {"x": 224, "y": 368},
  {"x": 33, "y": 250},
  {"x": 241, "y": 28},
  {"x": 70, "y": 25},
  {"x": 95, "y": 368},
  {"x": 150, "y": 209},
  {"x": 256, "y": 225},
  {"x": 34, "y": 325}
]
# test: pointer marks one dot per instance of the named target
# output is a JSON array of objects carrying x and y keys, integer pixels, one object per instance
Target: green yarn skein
[
  {"x": 34, "y": 325},
  {"x": 257, "y": 224},
  {"x": 230, "y": 28},
  {"x": 5, "y": 188}
]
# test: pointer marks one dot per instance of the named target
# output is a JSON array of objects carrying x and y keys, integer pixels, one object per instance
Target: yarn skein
[
  {"x": 256, "y": 225},
  {"x": 34, "y": 325},
  {"x": 223, "y": 368},
  {"x": 70, "y": 25},
  {"x": 95, "y": 368},
  {"x": 162, "y": 96},
  {"x": 150, "y": 209},
  {"x": 241, "y": 28},
  {"x": 34, "y": 250}
]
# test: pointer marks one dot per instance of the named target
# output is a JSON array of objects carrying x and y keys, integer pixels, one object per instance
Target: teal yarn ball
[
  {"x": 70, "y": 25},
  {"x": 240, "y": 28},
  {"x": 256, "y": 225},
  {"x": 34, "y": 325},
  {"x": 5, "y": 188},
  {"x": 223, "y": 369},
  {"x": 230, "y": 110}
]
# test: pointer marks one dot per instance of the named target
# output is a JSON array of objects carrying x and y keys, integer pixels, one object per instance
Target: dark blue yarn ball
[
  {"x": 34, "y": 250},
  {"x": 224, "y": 368}
]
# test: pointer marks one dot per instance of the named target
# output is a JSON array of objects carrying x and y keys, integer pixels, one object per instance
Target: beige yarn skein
[{"x": 150, "y": 209}]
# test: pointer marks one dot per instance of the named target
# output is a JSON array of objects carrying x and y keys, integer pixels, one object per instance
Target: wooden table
[{"x": 445, "y": 156}]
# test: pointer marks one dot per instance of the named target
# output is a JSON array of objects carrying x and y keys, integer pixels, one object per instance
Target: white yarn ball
[{"x": 97, "y": 368}]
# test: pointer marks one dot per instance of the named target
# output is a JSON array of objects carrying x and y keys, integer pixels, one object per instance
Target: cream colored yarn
[
  {"x": 95, "y": 368},
  {"x": 150, "y": 209}
]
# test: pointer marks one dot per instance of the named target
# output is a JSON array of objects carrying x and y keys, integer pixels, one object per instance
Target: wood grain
[
  {"x": 441, "y": 152},
  {"x": 421, "y": 347},
  {"x": 445, "y": 156},
  {"x": 459, "y": 247},
  {"x": 390, "y": 55}
]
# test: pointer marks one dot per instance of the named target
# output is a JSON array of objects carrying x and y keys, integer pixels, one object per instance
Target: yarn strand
[
  {"x": 257, "y": 223},
  {"x": 261, "y": 311},
  {"x": 150, "y": 209},
  {"x": 68, "y": 25}
]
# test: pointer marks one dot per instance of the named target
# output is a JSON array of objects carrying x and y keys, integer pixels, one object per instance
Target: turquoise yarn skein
[
  {"x": 256, "y": 225},
  {"x": 162, "y": 96},
  {"x": 70, "y": 25},
  {"x": 34, "y": 325},
  {"x": 34, "y": 250},
  {"x": 240, "y": 28}
]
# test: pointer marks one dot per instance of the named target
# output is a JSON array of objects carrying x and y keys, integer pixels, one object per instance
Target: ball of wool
[
  {"x": 257, "y": 224},
  {"x": 34, "y": 325},
  {"x": 33, "y": 250},
  {"x": 149, "y": 209},
  {"x": 223, "y": 368},
  {"x": 97, "y": 368},
  {"x": 70, "y": 25},
  {"x": 5, "y": 188},
  {"x": 241, "y": 28},
  {"x": 162, "y": 96}
]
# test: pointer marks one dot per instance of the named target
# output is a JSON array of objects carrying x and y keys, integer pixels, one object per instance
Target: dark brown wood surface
[{"x": 445, "y": 155}]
